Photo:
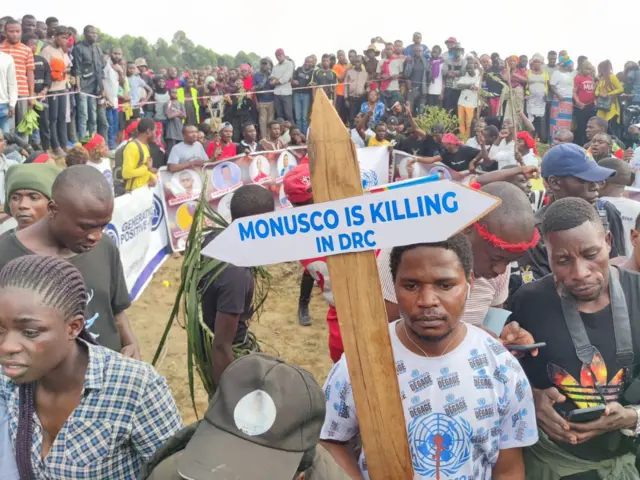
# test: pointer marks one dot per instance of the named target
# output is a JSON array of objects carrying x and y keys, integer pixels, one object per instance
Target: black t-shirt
[
  {"x": 104, "y": 278},
  {"x": 410, "y": 145},
  {"x": 231, "y": 292},
  {"x": 460, "y": 160},
  {"x": 536, "y": 307},
  {"x": 429, "y": 147},
  {"x": 303, "y": 78}
]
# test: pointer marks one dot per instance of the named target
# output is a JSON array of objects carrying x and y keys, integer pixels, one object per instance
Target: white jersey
[
  {"x": 460, "y": 409},
  {"x": 105, "y": 167}
]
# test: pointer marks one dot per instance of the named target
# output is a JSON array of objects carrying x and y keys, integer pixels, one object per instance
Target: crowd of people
[{"x": 551, "y": 394}]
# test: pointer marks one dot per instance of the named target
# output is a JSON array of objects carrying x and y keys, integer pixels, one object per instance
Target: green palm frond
[{"x": 197, "y": 274}]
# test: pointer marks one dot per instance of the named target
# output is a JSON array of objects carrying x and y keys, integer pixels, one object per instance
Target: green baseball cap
[{"x": 264, "y": 415}]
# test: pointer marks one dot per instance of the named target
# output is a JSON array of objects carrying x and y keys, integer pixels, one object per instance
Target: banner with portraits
[
  {"x": 405, "y": 167},
  {"x": 181, "y": 190}
]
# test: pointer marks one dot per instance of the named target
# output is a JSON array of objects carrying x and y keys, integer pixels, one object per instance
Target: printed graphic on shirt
[
  {"x": 440, "y": 444},
  {"x": 584, "y": 393},
  {"x": 93, "y": 319}
]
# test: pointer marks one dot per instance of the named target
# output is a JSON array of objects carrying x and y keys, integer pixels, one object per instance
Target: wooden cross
[{"x": 335, "y": 175}]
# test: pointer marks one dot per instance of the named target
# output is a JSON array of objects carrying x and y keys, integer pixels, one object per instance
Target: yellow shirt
[
  {"x": 135, "y": 172},
  {"x": 616, "y": 89},
  {"x": 373, "y": 142}
]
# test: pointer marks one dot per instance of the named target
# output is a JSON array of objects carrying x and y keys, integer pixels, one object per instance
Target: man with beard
[
  {"x": 80, "y": 209},
  {"x": 569, "y": 172},
  {"x": 497, "y": 240},
  {"x": 583, "y": 312},
  {"x": 451, "y": 376}
]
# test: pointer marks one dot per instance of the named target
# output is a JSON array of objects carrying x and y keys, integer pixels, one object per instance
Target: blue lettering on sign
[
  {"x": 140, "y": 223},
  {"x": 318, "y": 221},
  {"x": 158, "y": 213},
  {"x": 246, "y": 231},
  {"x": 424, "y": 206},
  {"x": 358, "y": 217}
]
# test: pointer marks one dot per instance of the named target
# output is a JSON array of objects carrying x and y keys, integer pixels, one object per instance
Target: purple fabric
[{"x": 435, "y": 68}]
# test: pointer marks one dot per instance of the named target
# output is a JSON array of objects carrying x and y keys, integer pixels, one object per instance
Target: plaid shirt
[{"x": 125, "y": 414}]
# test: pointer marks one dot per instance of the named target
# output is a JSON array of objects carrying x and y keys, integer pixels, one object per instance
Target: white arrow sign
[{"x": 423, "y": 213}]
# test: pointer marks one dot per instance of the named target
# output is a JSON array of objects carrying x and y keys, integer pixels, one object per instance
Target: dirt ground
[{"x": 277, "y": 329}]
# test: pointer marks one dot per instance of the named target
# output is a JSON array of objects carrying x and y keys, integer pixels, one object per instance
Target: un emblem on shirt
[
  {"x": 369, "y": 178},
  {"x": 440, "y": 445}
]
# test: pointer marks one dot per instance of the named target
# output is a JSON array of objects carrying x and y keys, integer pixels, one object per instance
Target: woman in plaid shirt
[{"x": 75, "y": 410}]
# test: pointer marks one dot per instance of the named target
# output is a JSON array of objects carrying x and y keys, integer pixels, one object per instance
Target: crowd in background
[{"x": 561, "y": 252}]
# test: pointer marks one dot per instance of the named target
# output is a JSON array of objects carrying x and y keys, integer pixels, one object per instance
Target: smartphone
[
  {"x": 583, "y": 415},
  {"x": 525, "y": 348}
]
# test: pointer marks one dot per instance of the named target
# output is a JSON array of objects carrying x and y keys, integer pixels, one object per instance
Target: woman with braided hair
[{"x": 75, "y": 409}]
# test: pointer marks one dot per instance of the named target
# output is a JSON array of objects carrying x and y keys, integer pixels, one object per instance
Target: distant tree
[{"x": 180, "y": 53}]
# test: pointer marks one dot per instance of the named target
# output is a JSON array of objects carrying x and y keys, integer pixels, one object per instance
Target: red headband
[
  {"x": 502, "y": 245},
  {"x": 95, "y": 141}
]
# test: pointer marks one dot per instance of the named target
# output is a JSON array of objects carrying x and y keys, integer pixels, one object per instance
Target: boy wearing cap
[
  {"x": 264, "y": 422},
  {"x": 569, "y": 172}
]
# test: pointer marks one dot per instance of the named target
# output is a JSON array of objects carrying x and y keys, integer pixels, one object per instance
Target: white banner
[
  {"x": 420, "y": 212},
  {"x": 374, "y": 166},
  {"x": 138, "y": 229}
]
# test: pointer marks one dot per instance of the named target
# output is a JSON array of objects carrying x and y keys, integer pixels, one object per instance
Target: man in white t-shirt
[
  {"x": 499, "y": 238},
  {"x": 613, "y": 192},
  {"x": 467, "y": 404}
]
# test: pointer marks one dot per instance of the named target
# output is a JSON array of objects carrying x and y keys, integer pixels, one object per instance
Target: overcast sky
[{"x": 302, "y": 28}]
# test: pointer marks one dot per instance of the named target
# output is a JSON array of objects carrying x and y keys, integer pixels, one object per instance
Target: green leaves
[
  {"x": 433, "y": 115},
  {"x": 29, "y": 122},
  {"x": 199, "y": 272},
  {"x": 180, "y": 52}
]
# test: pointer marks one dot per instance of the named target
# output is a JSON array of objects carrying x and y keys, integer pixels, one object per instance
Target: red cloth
[
  {"x": 384, "y": 70},
  {"x": 451, "y": 139},
  {"x": 317, "y": 268},
  {"x": 228, "y": 150},
  {"x": 95, "y": 141},
  {"x": 247, "y": 83},
  {"x": 586, "y": 89},
  {"x": 528, "y": 140},
  {"x": 175, "y": 83}
]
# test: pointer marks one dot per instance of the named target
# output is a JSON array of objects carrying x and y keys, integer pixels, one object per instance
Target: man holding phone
[{"x": 587, "y": 409}]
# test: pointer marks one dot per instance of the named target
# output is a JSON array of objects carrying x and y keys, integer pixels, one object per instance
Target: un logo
[
  {"x": 158, "y": 213},
  {"x": 112, "y": 232},
  {"x": 440, "y": 445},
  {"x": 369, "y": 178}
]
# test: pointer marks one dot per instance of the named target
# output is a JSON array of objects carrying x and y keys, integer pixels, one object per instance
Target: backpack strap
[
  {"x": 140, "y": 162},
  {"x": 621, "y": 324}
]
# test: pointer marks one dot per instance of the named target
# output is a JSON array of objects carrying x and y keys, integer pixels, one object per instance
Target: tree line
[{"x": 180, "y": 53}]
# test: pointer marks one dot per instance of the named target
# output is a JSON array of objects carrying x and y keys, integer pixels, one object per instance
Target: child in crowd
[
  {"x": 77, "y": 155},
  {"x": 98, "y": 151}
]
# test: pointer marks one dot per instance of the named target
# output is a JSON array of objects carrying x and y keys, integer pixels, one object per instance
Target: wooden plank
[{"x": 361, "y": 312}]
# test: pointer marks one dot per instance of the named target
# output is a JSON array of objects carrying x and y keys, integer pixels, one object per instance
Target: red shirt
[
  {"x": 173, "y": 83},
  {"x": 228, "y": 150},
  {"x": 586, "y": 89},
  {"x": 317, "y": 268}
]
